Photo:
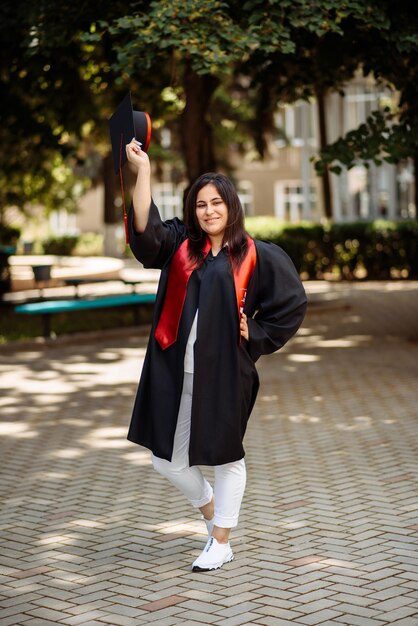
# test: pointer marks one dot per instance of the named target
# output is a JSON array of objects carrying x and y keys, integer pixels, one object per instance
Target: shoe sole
[{"x": 196, "y": 568}]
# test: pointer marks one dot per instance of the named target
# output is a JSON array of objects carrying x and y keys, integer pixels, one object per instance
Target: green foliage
[
  {"x": 86, "y": 244},
  {"x": 51, "y": 102},
  {"x": 63, "y": 69},
  {"x": 62, "y": 246},
  {"x": 54, "y": 186},
  {"x": 281, "y": 50},
  {"x": 378, "y": 247},
  {"x": 8, "y": 239},
  {"x": 9, "y": 235},
  {"x": 386, "y": 46},
  {"x": 200, "y": 30},
  {"x": 379, "y": 139},
  {"x": 89, "y": 244},
  {"x": 264, "y": 227}
]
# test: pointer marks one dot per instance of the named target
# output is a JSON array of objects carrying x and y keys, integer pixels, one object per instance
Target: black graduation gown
[{"x": 225, "y": 381}]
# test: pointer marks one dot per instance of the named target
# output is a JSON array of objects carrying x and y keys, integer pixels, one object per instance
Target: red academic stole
[{"x": 178, "y": 277}]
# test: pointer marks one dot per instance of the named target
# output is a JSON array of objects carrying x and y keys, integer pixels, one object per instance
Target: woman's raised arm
[{"x": 141, "y": 199}]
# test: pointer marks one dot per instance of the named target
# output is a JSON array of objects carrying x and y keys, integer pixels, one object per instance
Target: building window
[
  {"x": 360, "y": 102},
  {"x": 296, "y": 124},
  {"x": 405, "y": 191},
  {"x": 169, "y": 200},
  {"x": 358, "y": 179},
  {"x": 290, "y": 204},
  {"x": 246, "y": 195},
  {"x": 63, "y": 223}
]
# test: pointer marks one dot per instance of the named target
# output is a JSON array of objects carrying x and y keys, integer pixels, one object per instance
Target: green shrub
[
  {"x": 89, "y": 244},
  {"x": 264, "y": 227},
  {"x": 9, "y": 235},
  {"x": 347, "y": 241},
  {"x": 379, "y": 247},
  {"x": 85, "y": 244},
  {"x": 408, "y": 246},
  {"x": 8, "y": 240},
  {"x": 61, "y": 246}
]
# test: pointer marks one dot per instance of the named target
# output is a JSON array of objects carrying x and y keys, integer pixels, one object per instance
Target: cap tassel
[{"x": 125, "y": 216}]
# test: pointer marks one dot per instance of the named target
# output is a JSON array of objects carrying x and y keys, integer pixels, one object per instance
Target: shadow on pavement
[{"x": 330, "y": 460}]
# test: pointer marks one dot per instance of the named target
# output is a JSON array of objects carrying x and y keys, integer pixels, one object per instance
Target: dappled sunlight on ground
[
  {"x": 303, "y": 358},
  {"x": 329, "y": 452},
  {"x": 108, "y": 438},
  {"x": 138, "y": 457},
  {"x": 14, "y": 430}
]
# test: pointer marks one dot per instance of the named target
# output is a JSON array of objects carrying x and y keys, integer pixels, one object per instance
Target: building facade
[
  {"x": 285, "y": 183},
  {"x": 287, "y": 186}
]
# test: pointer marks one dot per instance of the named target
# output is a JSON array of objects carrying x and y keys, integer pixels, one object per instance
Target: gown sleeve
[
  {"x": 280, "y": 304},
  {"x": 158, "y": 242}
]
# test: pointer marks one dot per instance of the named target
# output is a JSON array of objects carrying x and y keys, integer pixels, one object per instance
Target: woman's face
[{"x": 211, "y": 211}]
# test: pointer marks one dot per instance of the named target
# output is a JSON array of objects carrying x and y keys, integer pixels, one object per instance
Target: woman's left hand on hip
[{"x": 244, "y": 327}]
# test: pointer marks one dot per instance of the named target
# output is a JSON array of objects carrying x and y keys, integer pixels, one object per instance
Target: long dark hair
[{"x": 235, "y": 234}]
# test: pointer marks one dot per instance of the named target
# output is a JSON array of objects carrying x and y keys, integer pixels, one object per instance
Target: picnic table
[{"x": 47, "y": 308}]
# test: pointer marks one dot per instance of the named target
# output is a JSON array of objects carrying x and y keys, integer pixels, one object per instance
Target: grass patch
[{"x": 15, "y": 327}]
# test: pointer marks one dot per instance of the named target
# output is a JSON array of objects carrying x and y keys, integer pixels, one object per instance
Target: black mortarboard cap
[{"x": 125, "y": 124}]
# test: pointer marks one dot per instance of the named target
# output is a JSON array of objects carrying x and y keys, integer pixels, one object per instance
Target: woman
[{"x": 223, "y": 300}]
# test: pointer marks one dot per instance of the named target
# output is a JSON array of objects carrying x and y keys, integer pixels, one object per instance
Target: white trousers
[{"x": 230, "y": 478}]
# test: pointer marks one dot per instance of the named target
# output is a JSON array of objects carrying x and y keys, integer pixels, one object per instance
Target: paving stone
[
  {"x": 162, "y": 603},
  {"x": 193, "y": 615},
  {"x": 273, "y": 621},
  {"x": 121, "y": 620},
  {"x": 238, "y": 609},
  {"x": 11, "y": 610},
  {"x": 85, "y": 618},
  {"x": 238, "y": 620},
  {"x": 306, "y": 560},
  {"x": 47, "y": 614},
  {"x": 87, "y": 607},
  {"x": 311, "y": 587},
  {"x": 315, "y": 595},
  {"x": 176, "y": 620},
  {"x": 36, "y": 621},
  {"x": 274, "y": 611},
  {"x": 356, "y": 620},
  {"x": 355, "y": 609},
  {"x": 54, "y": 603},
  {"x": 393, "y": 603},
  {"x": 16, "y": 619},
  {"x": 239, "y": 599},
  {"x": 319, "y": 617},
  {"x": 400, "y": 613},
  {"x": 317, "y": 605},
  {"x": 357, "y": 599}
]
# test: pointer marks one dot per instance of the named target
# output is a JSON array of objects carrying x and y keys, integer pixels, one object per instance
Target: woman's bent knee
[
  {"x": 162, "y": 466},
  {"x": 167, "y": 468}
]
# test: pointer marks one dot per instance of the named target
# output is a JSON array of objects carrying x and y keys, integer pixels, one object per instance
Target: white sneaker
[
  {"x": 213, "y": 556},
  {"x": 209, "y": 524}
]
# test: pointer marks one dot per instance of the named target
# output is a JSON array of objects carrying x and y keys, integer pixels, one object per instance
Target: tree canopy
[
  {"x": 388, "y": 50},
  {"x": 210, "y": 70}
]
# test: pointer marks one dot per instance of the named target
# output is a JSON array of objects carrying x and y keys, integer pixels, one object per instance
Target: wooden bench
[
  {"x": 47, "y": 308},
  {"x": 77, "y": 282}
]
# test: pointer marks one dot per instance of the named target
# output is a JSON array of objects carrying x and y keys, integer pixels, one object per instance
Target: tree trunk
[
  {"x": 196, "y": 130},
  {"x": 323, "y": 140},
  {"x": 262, "y": 125},
  {"x": 112, "y": 214}
]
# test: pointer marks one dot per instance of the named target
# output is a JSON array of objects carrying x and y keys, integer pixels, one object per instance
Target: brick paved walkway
[{"x": 91, "y": 535}]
